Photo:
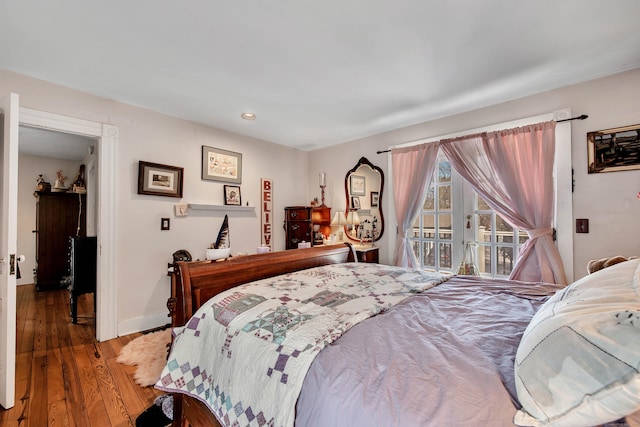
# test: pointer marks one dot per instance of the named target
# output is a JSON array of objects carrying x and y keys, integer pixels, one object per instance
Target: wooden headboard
[{"x": 197, "y": 282}]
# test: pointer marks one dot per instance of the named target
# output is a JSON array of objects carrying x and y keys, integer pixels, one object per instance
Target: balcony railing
[{"x": 504, "y": 248}]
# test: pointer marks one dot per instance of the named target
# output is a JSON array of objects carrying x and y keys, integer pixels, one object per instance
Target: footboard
[{"x": 196, "y": 282}]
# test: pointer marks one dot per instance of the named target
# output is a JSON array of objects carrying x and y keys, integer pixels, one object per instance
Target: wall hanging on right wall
[{"x": 612, "y": 150}]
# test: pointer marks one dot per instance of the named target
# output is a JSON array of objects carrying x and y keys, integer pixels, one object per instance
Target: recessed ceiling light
[{"x": 248, "y": 116}]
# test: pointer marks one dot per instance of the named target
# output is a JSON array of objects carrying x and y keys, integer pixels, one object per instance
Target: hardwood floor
[{"x": 63, "y": 376}]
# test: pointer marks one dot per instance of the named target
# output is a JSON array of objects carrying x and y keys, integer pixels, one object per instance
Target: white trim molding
[
  {"x": 107, "y": 271},
  {"x": 145, "y": 323}
]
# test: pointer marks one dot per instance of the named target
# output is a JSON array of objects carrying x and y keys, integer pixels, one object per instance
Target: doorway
[
  {"x": 42, "y": 153},
  {"x": 104, "y": 169}
]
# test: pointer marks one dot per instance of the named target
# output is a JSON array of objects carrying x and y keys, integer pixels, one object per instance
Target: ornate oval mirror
[{"x": 363, "y": 186}]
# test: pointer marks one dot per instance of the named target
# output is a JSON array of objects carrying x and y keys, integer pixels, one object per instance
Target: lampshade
[
  {"x": 339, "y": 218},
  {"x": 353, "y": 218}
]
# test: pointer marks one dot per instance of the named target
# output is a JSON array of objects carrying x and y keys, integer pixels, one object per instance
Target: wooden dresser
[
  {"x": 58, "y": 217},
  {"x": 297, "y": 225}
]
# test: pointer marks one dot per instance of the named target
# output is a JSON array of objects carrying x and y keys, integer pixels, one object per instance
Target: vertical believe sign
[{"x": 266, "y": 193}]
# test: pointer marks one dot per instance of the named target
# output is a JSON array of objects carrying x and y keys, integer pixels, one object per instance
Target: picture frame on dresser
[
  {"x": 355, "y": 203},
  {"x": 156, "y": 179},
  {"x": 221, "y": 165}
]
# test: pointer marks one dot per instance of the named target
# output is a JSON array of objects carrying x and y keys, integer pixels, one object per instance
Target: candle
[{"x": 323, "y": 177}]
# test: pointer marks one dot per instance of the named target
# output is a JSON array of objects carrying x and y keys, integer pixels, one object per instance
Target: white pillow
[{"x": 578, "y": 362}]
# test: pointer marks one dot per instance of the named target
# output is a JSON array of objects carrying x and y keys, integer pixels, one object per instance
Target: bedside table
[{"x": 367, "y": 254}]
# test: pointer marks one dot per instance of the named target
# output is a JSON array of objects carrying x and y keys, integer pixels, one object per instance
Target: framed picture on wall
[
  {"x": 221, "y": 165},
  {"x": 374, "y": 198},
  {"x": 232, "y": 195},
  {"x": 159, "y": 180},
  {"x": 616, "y": 149},
  {"x": 358, "y": 185}
]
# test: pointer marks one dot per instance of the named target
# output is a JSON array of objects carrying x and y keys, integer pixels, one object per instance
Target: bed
[{"x": 432, "y": 350}]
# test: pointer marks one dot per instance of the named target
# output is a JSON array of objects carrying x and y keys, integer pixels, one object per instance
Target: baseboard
[{"x": 141, "y": 324}]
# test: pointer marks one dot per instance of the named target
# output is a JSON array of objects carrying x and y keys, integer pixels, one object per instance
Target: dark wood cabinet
[
  {"x": 59, "y": 216},
  {"x": 297, "y": 225}
]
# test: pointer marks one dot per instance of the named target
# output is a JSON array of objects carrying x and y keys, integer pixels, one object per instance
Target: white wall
[
  {"x": 143, "y": 249},
  {"x": 608, "y": 200},
  {"x": 29, "y": 167}
]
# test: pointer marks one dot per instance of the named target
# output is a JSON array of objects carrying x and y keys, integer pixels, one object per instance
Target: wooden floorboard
[{"x": 63, "y": 376}]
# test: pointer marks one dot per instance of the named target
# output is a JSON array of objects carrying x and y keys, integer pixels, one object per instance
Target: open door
[{"x": 8, "y": 242}]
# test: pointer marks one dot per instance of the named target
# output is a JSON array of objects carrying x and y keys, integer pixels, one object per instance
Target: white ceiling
[
  {"x": 59, "y": 145},
  {"x": 317, "y": 73}
]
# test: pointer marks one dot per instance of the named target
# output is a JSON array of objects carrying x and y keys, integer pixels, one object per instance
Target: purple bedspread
[{"x": 440, "y": 358}]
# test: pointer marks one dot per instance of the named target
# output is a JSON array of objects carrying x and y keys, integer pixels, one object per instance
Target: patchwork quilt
[{"x": 245, "y": 353}]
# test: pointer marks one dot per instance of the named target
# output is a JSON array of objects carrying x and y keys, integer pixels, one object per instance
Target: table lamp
[
  {"x": 353, "y": 220},
  {"x": 339, "y": 220}
]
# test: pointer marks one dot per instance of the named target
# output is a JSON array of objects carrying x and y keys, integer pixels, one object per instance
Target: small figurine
[
  {"x": 42, "y": 185},
  {"x": 78, "y": 183},
  {"x": 59, "y": 185}
]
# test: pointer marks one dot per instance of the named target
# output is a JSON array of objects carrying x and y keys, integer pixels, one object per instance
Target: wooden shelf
[
  {"x": 221, "y": 208},
  {"x": 322, "y": 216}
]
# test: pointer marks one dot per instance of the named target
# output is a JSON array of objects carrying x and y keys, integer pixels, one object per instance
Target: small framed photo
[
  {"x": 358, "y": 185},
  {"x": 355, "y": 202},
  {"x": 374, "y": 198},
  {"x": 159, "y": 180},
  {"x": 232, "y": 195},
  {"x": 221, "y": 165}
]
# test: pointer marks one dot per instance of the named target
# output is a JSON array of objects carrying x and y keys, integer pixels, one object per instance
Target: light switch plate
[{"x": 582, "y": 225}]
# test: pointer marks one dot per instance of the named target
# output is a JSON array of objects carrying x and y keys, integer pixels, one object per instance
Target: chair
[{"x": 82, "y": 260}]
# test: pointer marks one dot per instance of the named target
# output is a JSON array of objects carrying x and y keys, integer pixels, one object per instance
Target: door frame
[
  {"x": 107, "y": 136},
  {"x": 9, "y": 105}
]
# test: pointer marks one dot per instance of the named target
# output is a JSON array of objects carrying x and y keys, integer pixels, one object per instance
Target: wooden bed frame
[{"x": 193, "y": 283}]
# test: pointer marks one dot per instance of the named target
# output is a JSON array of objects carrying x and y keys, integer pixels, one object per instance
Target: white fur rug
[{"x": 149, "y": 352}]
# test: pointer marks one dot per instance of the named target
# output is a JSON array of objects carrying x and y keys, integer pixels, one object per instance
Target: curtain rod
[{"x": 580, "y": 117}]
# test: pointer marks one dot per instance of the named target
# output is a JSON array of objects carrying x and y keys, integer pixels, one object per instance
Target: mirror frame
[{"x": 364, "y": 162}]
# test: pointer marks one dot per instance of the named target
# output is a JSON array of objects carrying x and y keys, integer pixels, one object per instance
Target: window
[
  {"x": 498, "y": 242},
  {"x": 452, "y": 214},
  {"x": 433, "y": 231},
  {"x": 499, "y": 245}
]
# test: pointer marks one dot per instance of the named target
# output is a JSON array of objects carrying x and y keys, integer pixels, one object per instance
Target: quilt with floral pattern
[{"x": 245, "y": 353}]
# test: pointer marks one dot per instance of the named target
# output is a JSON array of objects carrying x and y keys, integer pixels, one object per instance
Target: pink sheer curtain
[
  {"x": 412, "y": 171},
  {"x": 513, "y": 172}
]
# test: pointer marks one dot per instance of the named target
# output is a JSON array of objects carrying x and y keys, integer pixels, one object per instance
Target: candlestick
[{"x": 323, "y": 183}]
